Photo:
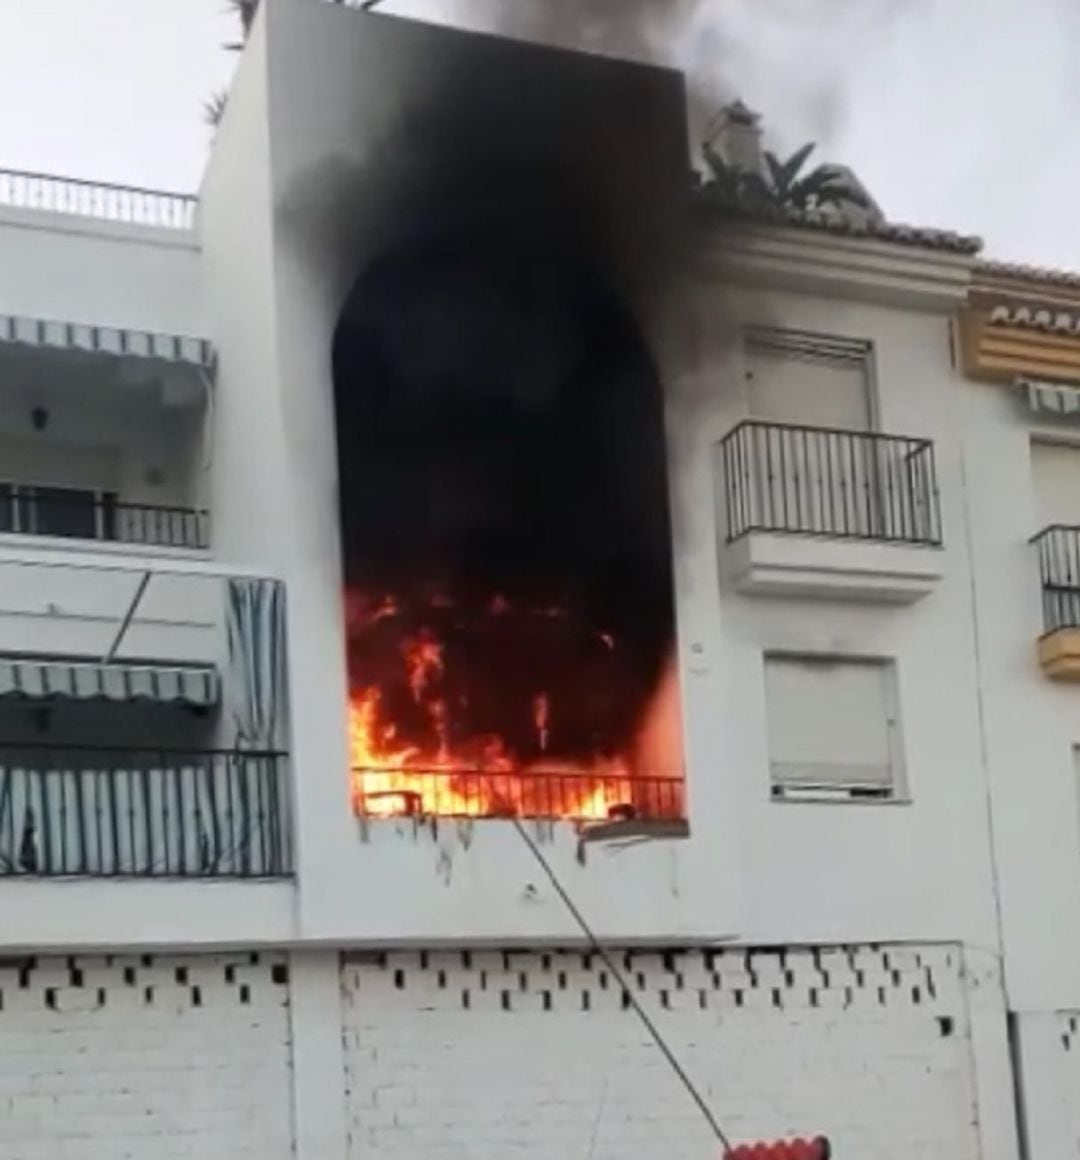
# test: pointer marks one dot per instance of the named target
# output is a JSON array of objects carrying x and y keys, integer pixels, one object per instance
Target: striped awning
[
  {"x": 79, "y": 681},
  {"x": 141, "y": 344},
  {"x": 1055, "y": 399}
]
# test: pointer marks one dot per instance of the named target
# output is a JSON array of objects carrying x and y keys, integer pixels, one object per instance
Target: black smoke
[{"x": 499, "y": 416}]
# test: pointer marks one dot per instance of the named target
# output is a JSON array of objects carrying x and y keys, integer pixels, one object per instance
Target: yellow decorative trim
[
  {"x": 1001, "y": 353},
  {"x": 1059, "y": 654}
]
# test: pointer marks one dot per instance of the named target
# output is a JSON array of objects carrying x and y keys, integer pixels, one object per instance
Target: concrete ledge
[
  {"x": 62, "y": 914},
  {"x": 783, "y": 564},
  {"x": 1059, "y": 654}
]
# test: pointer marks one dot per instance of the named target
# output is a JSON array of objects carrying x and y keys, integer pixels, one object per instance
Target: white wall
[
  {"x": 246, "y": 1054},
  {"x": 825, "y": 871},
  {"x": 499, "y": 1054},
  {"x": 274, "y": 272},
  {"x": 102, "y": 273},
  {"x": 106, "y": 437},
  {"x": 1048, "y": 1066},
  {"x": 337, "y": 80},
  {"x": 106, "y": 914},
  {"x": 917, "y": 870},
  {"x": 1032, "y": 723},
  {"x": 159, "y": 1058}
]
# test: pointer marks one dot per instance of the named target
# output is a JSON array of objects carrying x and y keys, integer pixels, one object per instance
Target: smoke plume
[
  {"x": 956, "y": 113},
  {"x": 785, "y": 56}
]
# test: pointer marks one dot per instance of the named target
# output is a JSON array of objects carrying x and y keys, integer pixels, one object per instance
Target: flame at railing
[{"x": 412, "y": 752}]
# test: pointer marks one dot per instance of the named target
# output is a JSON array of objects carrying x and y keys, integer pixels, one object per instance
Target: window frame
[{"x": 898, "y": 790}]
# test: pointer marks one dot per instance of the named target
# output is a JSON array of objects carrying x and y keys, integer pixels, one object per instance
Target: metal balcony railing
[
  {"x": 533, "y": 794},
  {"x": 142, "y": 813},
  {"x": 1059, "y": 575},
  {"x": 90, "y": 515},
  {"x": 126, "y": 204},
  {"x": 823, "y": 481}
]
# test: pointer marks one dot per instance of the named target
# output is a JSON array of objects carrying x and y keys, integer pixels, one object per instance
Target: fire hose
[{"x": 815, "y": 1149}]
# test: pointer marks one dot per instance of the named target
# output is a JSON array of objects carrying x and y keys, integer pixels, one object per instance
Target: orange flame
[
  {"x": 480, "y": 776},
  {"x": 423, "y": 662}
]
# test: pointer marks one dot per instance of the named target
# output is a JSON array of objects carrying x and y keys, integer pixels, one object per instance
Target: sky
[{"x": 961, "y": 114}]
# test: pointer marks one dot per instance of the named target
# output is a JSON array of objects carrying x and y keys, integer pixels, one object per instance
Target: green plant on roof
[
  {"x": 244, "y": 10},
  {"x": 783, "y": 185}
]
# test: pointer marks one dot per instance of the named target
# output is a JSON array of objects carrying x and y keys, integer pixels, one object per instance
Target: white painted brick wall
[
  {"x": 531, "y": 1055},
  {"x": 145, "y": 1058},
  {"x": 1068, "y": 1045}
]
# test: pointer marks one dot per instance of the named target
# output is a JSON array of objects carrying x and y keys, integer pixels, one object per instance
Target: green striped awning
[
  {"x": 109, "y": 340},
  {"x": 79, "y": 681}
]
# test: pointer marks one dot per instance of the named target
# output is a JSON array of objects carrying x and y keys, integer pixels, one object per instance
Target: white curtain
[{"x": 256, "y": 668}]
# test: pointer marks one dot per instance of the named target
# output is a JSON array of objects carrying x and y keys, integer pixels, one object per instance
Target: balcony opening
[
  {"x": 104, "y": 447},
  {"x": 504, "y": 510},
  {"x": 1058, "y": 548},
  {"x": 1055, "y": 476},
  {"x": 116, "y": 764}
]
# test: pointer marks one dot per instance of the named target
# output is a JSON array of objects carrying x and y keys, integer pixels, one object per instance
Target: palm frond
[
  {"x": 784, "y": 173},
  {"x": 781, "y": 186},
  {"x": 826, "y": 185}
]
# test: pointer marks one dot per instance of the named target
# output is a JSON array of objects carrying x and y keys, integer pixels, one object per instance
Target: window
[
  {"x": 808, "y": 379},
  {"x": 1055, "y": 473},
  {"x": 833, "y": 727}
]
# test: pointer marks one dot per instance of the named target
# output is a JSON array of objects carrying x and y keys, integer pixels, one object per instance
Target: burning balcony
[
  {"x": 509, "y": 598},
  {"x": 829, "y": 512}
]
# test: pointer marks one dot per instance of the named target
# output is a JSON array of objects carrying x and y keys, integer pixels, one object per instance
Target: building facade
[{"x": 844, "y": 891}]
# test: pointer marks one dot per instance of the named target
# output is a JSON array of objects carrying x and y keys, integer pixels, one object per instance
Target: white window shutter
[
  {"x": 1055, "y": 470},
  {"x": 832, "y": 723},
  {"x": 811, "y": 382}
]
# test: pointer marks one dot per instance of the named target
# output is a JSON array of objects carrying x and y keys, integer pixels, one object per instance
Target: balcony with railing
[
  {"x": 102, "y": 201},
  {"x": 142, "y": 813},
  {"x": 109, "y": 443},
  {"x": 535, "y": 793},
  {"x": 1058, "y": 548},
  {"x": 141, "y": 720},
  {"x": 78, "y": 514},
  {"x": 828, "y": 512}
]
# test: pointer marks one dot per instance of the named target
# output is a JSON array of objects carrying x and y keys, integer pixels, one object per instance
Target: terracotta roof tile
[
  {"x": 1041, "y": 274},
  {"x": 896, "y": 232}
]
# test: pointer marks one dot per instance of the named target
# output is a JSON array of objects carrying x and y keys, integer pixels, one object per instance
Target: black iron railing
[
  {"x": 142, "y": 813},
  {"x": 95, "y": 515},
  {"x": 533, "y": 794},
  {"x": 1059, "y": 575},
  {"x": 828, "y": 482},
  {"x": 97, "y": 199}
]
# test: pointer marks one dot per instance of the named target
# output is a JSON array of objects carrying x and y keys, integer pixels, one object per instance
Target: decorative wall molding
[
  {"x": 1020, "y": 323},
  {"x": 853, "y": 267},
  {"x": 1000, "y": 346}
]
